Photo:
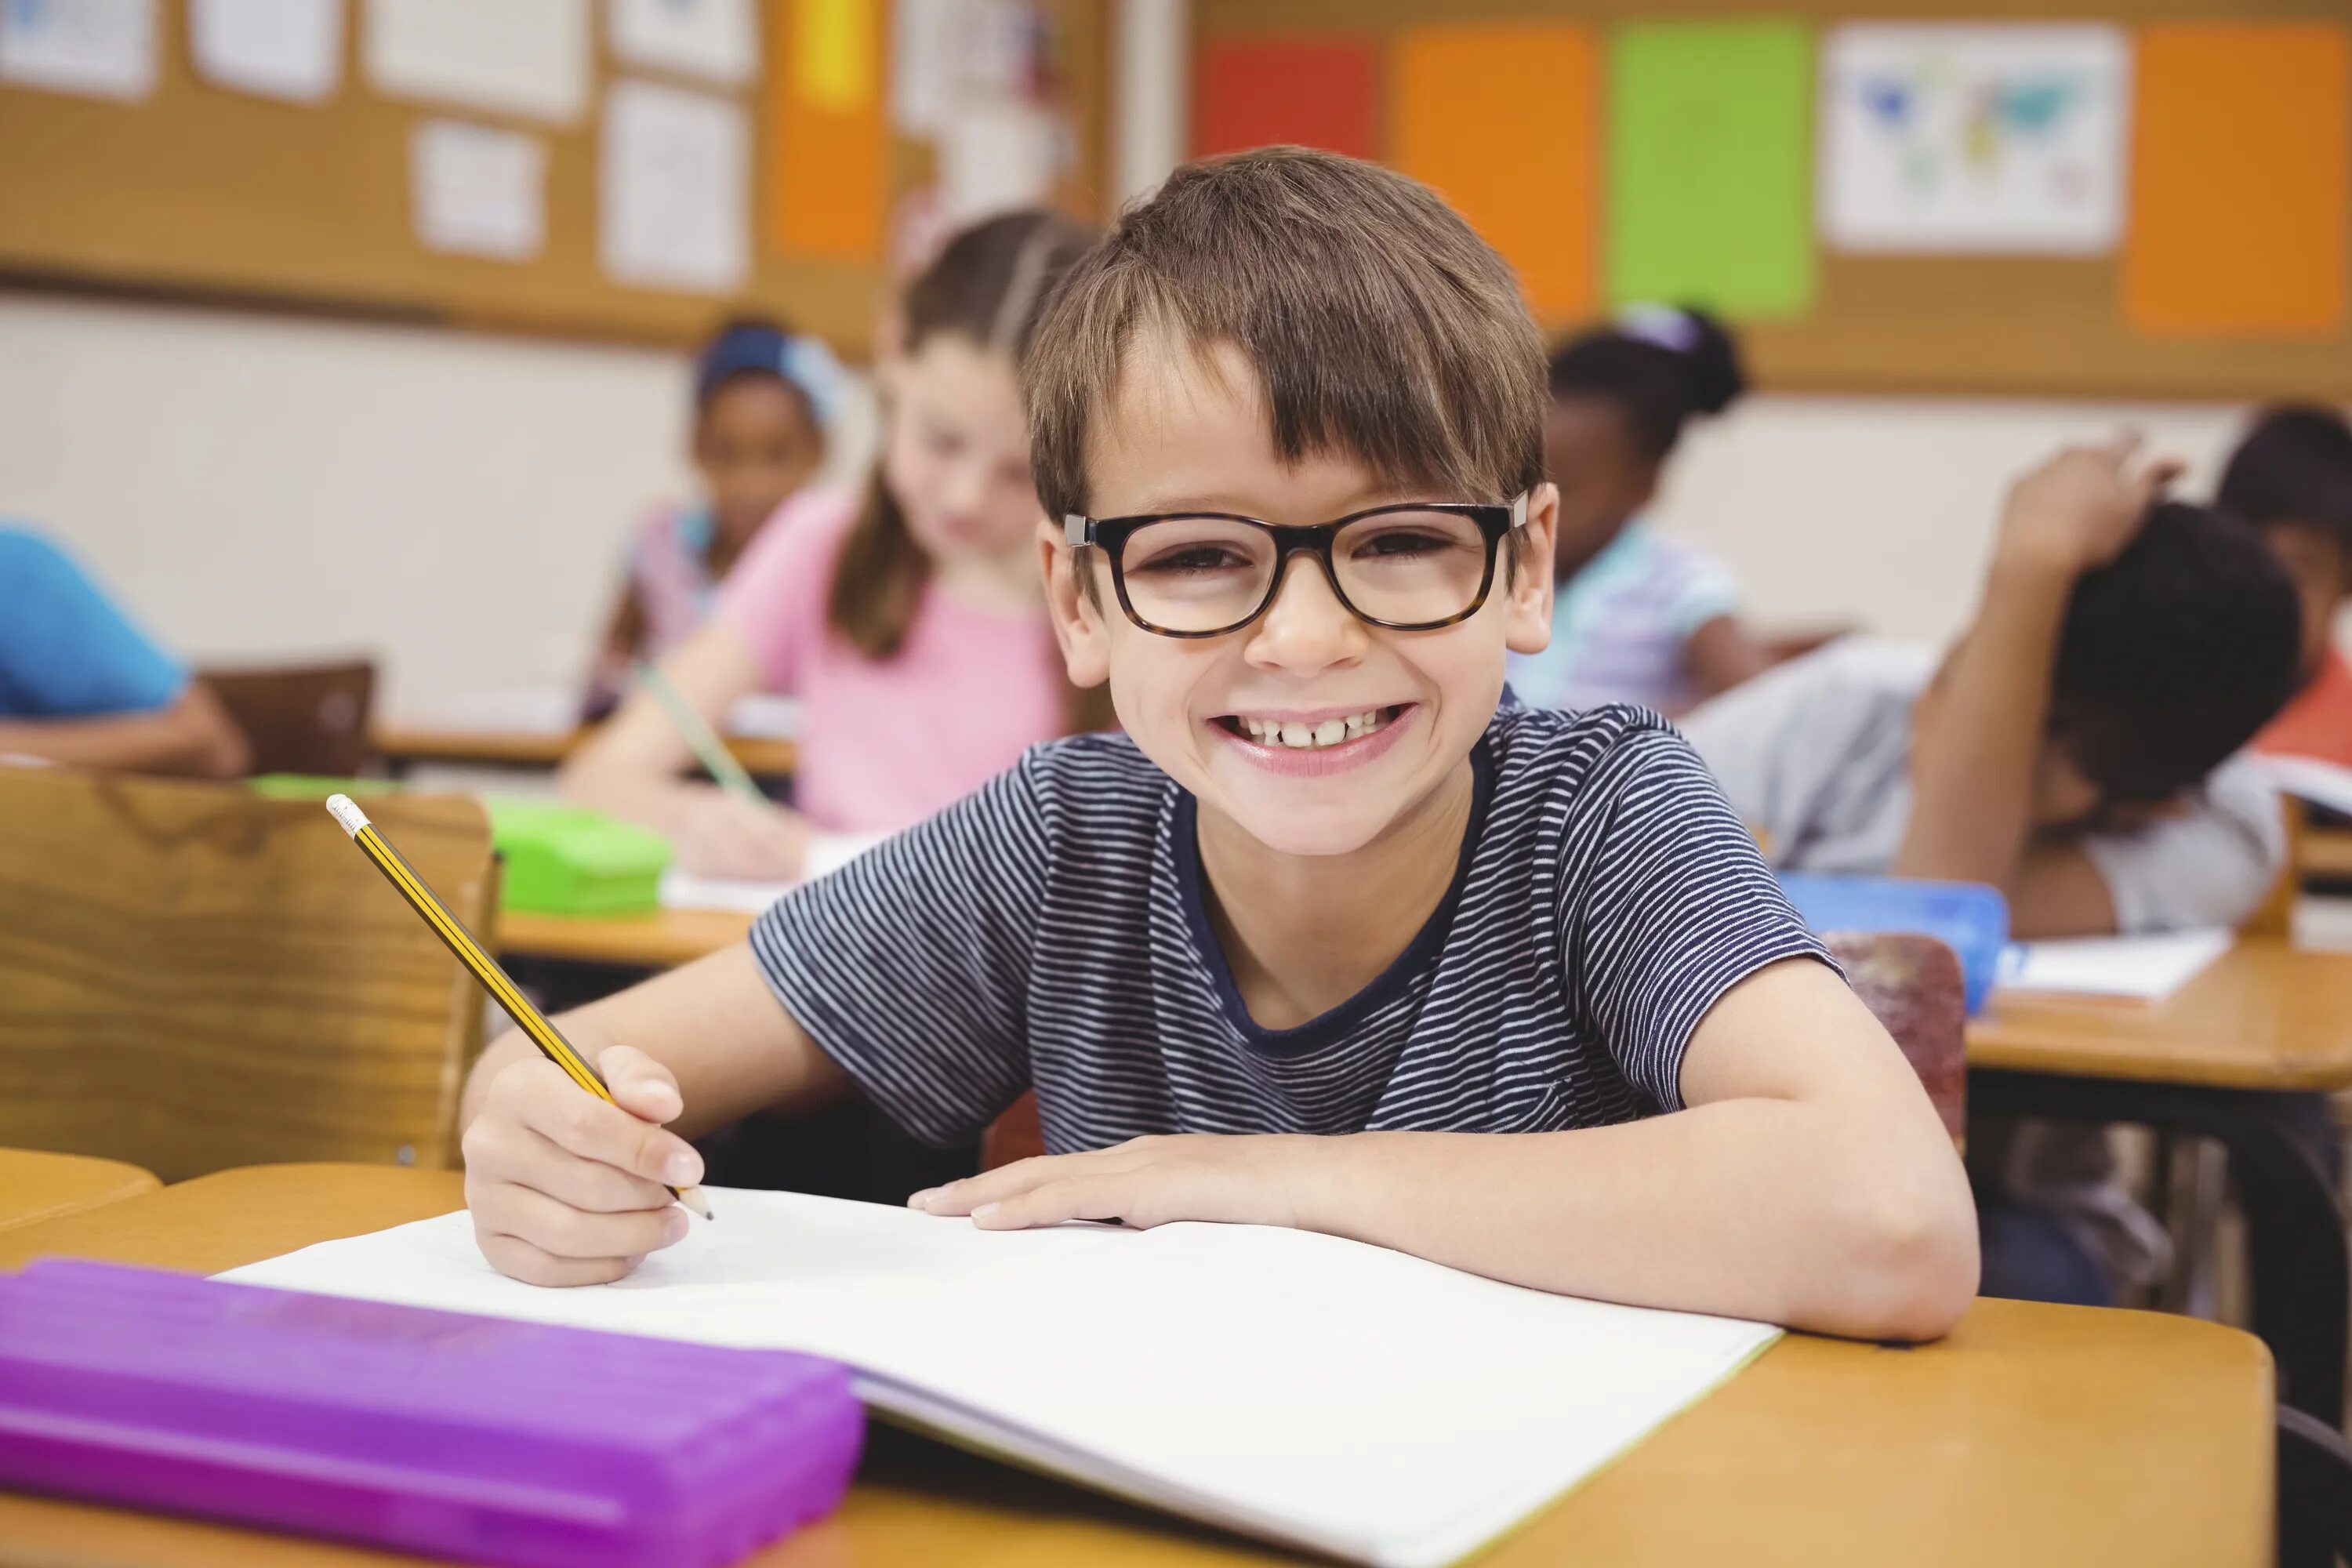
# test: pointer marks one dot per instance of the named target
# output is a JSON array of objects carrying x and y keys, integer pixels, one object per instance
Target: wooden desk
[
  {"x": 36, "y": 1184},
  {"x": 402, "y": 746},
  {"x": 2033, "y": 1434},
  {"x": 662, "y": 940},
  {"x": 2220, "y": 1058},
  {"x": 2325, "y": 853},
  {"x": 2264, "y": 1015}
]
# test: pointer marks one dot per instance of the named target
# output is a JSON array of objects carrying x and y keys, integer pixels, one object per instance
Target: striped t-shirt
[{"x": 1050, "y": 930}]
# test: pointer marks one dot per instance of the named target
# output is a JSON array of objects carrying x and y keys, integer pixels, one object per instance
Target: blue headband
[{"x": 801, "y": 361}]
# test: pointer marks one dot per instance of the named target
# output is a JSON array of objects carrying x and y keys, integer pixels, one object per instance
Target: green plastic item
[
  {"x": 563, "y": 859},
  {"x": 318, "y": 786}
]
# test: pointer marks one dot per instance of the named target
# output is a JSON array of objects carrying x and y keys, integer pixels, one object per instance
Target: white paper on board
[
  {"x": 96, "y": 48},
  {"x": 1954, "y": 138},
  {"x": 291, "y": 49},
  {"x": 474, "y": 190},
  {"x": 718, "y": 40},
  {"x": 674, "y": 189},
  {"x": 511, "y": 57},
  {"x": 995, "y": 157},
  {"x": 923, "y": 64}
]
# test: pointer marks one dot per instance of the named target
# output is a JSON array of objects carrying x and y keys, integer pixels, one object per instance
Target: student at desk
[
  {"x": 1328, "y": 915},
  {"x": 909, "y": 621},
  {"x": 2075, "y": 749},
  {"x": 81, "y": 684},
  {"x": 764, "y": 401},
  {"x": 2292, "y": 479}
]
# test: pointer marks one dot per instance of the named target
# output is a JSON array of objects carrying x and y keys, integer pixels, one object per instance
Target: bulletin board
[
  {"x": 1587, "y": 140},
  {"x": 197, "y": 192}
]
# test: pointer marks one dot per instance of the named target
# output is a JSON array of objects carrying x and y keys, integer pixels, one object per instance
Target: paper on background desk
[
  {"x": 827, "y": 853},
  {"x": 1312, "y": 1390},
  {"x": 2132, "y": 968},
  {"x": 2308, "y": 778}
]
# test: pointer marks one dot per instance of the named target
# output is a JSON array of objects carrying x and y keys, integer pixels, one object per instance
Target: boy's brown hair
[{"x": 1377, "y": 323}]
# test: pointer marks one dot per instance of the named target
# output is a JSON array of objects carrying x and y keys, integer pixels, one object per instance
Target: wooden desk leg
[{"x": 2295, "y": 1242}]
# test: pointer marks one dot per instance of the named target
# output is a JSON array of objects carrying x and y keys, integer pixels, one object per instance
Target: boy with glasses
[{"x": 1329, "y": 918}]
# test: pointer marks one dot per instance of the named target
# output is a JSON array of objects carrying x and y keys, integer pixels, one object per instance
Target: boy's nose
[{"x": 1306, "y": 629}]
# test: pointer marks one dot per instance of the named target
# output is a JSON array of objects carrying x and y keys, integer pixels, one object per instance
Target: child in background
[
  {"x": 764, "y": 401},
  {"x": 2292, "y": 479},
  {"x": 2074, "y": 750},
  {"x": 1329, "y": 915},
  {"x": 80, "y": 685},
  {"x": 1639, "y": 617},
  {"x": 909, "y": 621}
]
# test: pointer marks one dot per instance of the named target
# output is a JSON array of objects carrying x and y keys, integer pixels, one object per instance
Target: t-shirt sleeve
[
  {"x": 910, "y": 965},
  {"x": 1667, "y": 906},
  {"x": 2210, "y": 866},
  {"x": 65, "y": 650},
  {"x": 775, "y": 597},
  {"x": 1701, "y": 591}
]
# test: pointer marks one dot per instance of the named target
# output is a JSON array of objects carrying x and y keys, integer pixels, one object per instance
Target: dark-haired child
[
  {"x": 1329, "y": 937},
  {"x": 764, "y": 399},
  {"x": 2076, "y": 750},
  {"x": 2292, "y": 479},
  {"x": 1638, "y": 616}
]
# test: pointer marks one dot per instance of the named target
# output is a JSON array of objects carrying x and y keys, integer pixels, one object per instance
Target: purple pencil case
[{"x": 475, "y": 1438}]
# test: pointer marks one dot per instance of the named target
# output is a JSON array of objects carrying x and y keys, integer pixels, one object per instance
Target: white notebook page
[{"x": 1312, "y": 1390}]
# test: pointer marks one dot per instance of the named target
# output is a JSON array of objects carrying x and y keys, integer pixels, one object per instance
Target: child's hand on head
[
  {"x": 2079, "y": 509},
  {"x": 1266, "y": 1179},
  {"x": 567, "y": 1190},
  {"x": 716, "y": 835}
]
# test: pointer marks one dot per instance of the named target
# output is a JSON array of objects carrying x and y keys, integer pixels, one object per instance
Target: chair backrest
[
  {"x": 2276, "y": 915},
  {"x": 192, "y": 977},
  {"x": 301, "y": 719},
  {"x": 1912, "y": 982},
  {"x": 1915, "y": 986}
]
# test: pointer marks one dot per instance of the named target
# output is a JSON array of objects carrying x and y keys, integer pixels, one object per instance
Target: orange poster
[
  {"x": 827, "y": 163},
  {"x": 2241, "y": 179},
  {"x": 1500, "y": 121}
]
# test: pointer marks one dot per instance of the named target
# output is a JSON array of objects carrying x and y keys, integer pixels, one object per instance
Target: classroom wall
[
  {"x": 255, "y": 485},
  {"x": 258, "y": 486}
]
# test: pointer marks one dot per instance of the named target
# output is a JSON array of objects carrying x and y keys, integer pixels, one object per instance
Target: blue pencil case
[
  {"x": 1966, "y": 917},
  {"x": 480, "y": 1439}
]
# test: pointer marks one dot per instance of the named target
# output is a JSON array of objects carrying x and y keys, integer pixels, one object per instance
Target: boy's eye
[
  {"x": 1407, "y": 543},
  {"x": 1184, "y": 559}
]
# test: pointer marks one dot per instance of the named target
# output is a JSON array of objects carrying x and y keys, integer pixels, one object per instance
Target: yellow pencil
[{"x": 484, "y": 968}]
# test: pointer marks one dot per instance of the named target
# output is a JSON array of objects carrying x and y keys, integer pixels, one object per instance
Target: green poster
[{"x": 1710, "y": 166}]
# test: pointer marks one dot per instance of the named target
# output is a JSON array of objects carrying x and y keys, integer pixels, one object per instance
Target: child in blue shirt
[
  {"x": 1327, "y": 918},
  {"x": 79, "y": 684},
  {"x": 1639, "y": 617}
]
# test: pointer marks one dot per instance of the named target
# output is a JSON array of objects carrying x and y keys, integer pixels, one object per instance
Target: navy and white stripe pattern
[{"x": 1049, "y": 930}]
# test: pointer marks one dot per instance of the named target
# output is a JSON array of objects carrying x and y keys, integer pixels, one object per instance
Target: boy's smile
[{"x": 1310, "y": 730}]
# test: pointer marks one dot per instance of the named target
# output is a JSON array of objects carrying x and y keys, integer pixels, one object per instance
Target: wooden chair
[
  {"x": 301, "y": 719},
  {"x": 1912, "y": 982},
  {"x": 192, "y": 977}
]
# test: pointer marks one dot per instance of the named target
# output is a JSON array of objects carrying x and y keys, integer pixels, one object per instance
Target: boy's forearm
[
  {"x": 192, "y": 737},
  {"x": 1770, "y": 1210},
  {"x": 1972, "y": 781}
]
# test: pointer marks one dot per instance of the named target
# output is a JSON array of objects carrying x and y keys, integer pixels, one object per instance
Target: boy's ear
[
  {"x": 1529, "y": 628},
  {"x": 1077, "y": 620}
]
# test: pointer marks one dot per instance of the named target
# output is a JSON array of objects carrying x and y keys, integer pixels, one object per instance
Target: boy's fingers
[
  {"x": 563, "y": 1231},
  {"x": 519, "y": 1260},
  {"x": 581, "y": 1183},
  {"x": 641, "y": 1085},
  {"x": 1076, "y": 1197},
  {"x": 582, "y": 1124}
]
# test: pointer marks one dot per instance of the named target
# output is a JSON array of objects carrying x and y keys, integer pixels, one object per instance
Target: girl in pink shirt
[{"x": 909, "y": 621}]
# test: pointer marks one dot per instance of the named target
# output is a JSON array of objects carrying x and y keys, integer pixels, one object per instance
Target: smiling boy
[{"x": 1329, "y": 938}]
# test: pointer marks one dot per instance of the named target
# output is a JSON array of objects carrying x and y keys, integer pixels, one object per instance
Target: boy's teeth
[{"x": 1306, "y": 737}]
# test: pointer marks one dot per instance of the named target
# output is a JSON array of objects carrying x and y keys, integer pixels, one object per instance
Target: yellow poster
[{"x": 833, "y": 52}]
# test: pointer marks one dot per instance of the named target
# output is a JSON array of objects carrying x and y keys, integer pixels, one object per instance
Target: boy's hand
[
  {"x": 1254, "y": 1180},
  {"x": 2079, "y": 509},
  {"x": 716, "y": 835},
  {"x": 567, "y": 1190}
]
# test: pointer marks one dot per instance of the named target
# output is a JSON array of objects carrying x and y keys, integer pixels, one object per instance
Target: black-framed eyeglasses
[{"x": 1415, "y": 567}]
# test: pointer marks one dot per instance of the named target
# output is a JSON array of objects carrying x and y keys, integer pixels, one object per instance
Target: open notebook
[{"x": 1314, "y": 1391}]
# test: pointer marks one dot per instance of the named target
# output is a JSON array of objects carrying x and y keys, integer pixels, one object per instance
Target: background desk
[
  {"x": 36, "y": 1184},
  {"x": 402, "y": 746},
  {"x": 2218, "y": 1059},
  {"x": 2033, "y": 1434}
]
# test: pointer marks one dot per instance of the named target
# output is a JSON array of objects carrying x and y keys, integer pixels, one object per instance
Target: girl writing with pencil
[{"x": 909, "y": 621}]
